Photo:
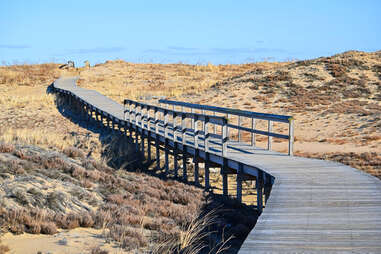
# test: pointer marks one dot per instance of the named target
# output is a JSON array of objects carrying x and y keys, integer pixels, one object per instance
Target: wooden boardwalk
[{"x": 315, "y": 206}]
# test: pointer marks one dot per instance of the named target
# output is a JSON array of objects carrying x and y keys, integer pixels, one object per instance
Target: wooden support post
[
  {"x": 142, "y": 142},
  {"x": 175, "y": 159},
  {"x": 259, "y": 185},
  {"x": 185, "y": 175},
  {"x": 253, "y": 123},
  {"x": 136, "y": 137},
  {"x": 157, "y": 153},
  {"x": 269, "y": 138},
  {"x": 239, "y": 182},
  {"x": 267, "y": 187},
  {"x": 87, "y": 115},
  {"x": 291, "y": 137},
  {"x": 166, "y": 154},
  {"x": 224, "y": 178},
  {"x": 102, "y": 124},
  {"x": 196, "y": 167},
  {"x": 207, "y": 162},
  {"x": 125, "y": 127},
  {"x": 149, "y": 139}
]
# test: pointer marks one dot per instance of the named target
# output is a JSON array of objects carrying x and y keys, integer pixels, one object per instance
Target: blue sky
[{"x": 196, "y": 32}]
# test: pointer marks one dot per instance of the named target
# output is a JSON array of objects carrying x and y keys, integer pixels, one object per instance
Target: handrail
[
  {"x": 248, "y": 114},
  {"x": 238, "y": 112},
  {"x": 138, "y": 116}
]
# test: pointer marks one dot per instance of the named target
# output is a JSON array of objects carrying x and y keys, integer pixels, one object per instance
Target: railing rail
[{"x": 247, "y": 114}]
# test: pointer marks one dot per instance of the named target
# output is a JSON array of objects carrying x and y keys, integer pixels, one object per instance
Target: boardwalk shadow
[{"x": 118, "y": 150}]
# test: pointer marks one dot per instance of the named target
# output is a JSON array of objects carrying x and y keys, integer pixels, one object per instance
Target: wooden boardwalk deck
[{"x": 315, "y": 206}]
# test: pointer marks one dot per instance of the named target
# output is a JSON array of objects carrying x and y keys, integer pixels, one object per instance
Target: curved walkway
[{"x": 315, "y": 206}]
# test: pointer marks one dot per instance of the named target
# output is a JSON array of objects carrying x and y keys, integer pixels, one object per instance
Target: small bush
[
  {"x": 74, "y": 152},
  {"x": 98, "y": 250},
  {"x": 6, "y": 148},
  {"x": 48, "y": 228}
]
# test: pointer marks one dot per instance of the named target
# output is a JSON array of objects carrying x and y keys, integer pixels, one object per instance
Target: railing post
[
  {"x": 165, "y": 123},
  {"x": 140, "y": 114},
  {"x": 183, "y": 128},
  {"x": 291, "y": 137},
  {"x": 149, "y": 135},
  {"x": 157, "y": 140},
  {"x": 203, "y": 113},
  {"x": 225, "y": 138},
  {"x": 175, "y": 144},
  {"x": 130, "y": 113},
  {"x": 269, "y": 138},
  {"x": 166, "y": 154},
  {"x": 253, "y": 123},
  {"x": 215, "y": 126},
  {"x": 124, "y": 110},
  {"x": 136, "y": 126},
  {"x": 174, "y": 126},
  {"x": 239, "y": 130},
  {"x": 195, "y": 131},
  {"x": 148, "y": 119},
  {"x": 227, "y": 130},
  {"x": 193, "y": 120},
  {"x": 206, "y": 133},
  {"x": 142, "y": 117}
]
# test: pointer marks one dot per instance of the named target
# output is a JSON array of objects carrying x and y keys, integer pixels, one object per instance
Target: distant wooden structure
[
  {"x": 70, "y": 64},
  {"x": 315, "y": 206}
]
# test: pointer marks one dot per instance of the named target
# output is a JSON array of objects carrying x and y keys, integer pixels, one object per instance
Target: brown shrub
[
  {"x": 6, "y": 148},
  {"x": 336, "y": 70},
  {"x": 87, "y": 184},
  {"x": 78, "y": 172},
  {"x": 48, "y": 228},
  {"x": 87, "y": 220},
  {"x": 74, "y": 152},
  {"x": 98, "y": 250},
  {"x": 33, "y": 228}
]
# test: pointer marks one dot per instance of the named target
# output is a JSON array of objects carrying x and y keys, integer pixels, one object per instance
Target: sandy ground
[{"x": 79, "y": 240}]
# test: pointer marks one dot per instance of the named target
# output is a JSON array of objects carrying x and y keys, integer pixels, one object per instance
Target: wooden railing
[
  {"x": 252, "y": 116},
  {"x": 156, "y": 119}
]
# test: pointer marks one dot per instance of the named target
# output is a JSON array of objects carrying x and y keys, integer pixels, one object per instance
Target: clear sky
[{"x": 190, "y": 31}]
